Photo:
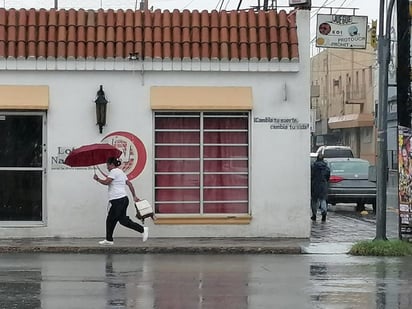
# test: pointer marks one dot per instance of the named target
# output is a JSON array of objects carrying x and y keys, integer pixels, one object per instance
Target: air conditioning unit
[{"x": 299, "y": 2}]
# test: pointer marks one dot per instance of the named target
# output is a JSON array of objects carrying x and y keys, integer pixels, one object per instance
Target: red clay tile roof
[{"x": 81, "y": 34}]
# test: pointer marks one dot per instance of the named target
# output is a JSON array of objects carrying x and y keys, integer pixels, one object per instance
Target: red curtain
[{"x": 201, "y": 163}]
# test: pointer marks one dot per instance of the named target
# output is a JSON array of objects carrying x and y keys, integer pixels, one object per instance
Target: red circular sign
[{"x": 133, "y": 156}]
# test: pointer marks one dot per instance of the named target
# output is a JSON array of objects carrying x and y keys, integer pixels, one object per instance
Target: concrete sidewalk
[
  {"x": 156, "y": 245},
  {"x": 340, "y": 230}
]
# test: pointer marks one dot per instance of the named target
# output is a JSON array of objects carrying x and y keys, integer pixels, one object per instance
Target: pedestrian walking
[
  {"x": 320, "y": 174},
  {"x": 116, "y": 181}
]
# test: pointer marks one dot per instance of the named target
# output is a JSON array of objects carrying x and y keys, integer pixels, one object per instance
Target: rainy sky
[{"x": 366, "y": 7}]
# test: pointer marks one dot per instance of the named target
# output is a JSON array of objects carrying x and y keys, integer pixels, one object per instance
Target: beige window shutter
[
  {"x": 200, "y": 98},
  {"x": 24, "y": 97}
]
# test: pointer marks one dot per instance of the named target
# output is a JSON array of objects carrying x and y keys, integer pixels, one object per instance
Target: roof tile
[
  {"x": 81, "y": 34},
  {"x": 62, "y": 34},
  {"x": 52, "y": 34},
  {"x": 167, "y": 35},
  {"x": 223, "y": 35},
  {"x": 21, "y": 33},
  {"x": 3, "y": 16},
  {"x": 204, "y": 34},
  {"x": 157, "y": 34},
  {"x": 214, "y": 35},
  {"x": 293, "y": 37},
  {"x": 196, "y": 34},
  {"x": 148, "y": 35},
  {"x": 138, "y": 33},
  {"x": 177, "y": 34},
  {"x": 11, "y": 33},
  {"x": 95, "y": 35},
  {"x": 262, "y": 35},
  {"x": 233, "y": 35}
]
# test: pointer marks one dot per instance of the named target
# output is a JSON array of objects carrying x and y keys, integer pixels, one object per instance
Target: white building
[{"x": 210, "y": 109}]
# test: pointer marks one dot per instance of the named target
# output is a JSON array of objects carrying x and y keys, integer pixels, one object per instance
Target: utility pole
[
  {"x": 382, "y": 162},
  {"x": 144, "y": 5}
]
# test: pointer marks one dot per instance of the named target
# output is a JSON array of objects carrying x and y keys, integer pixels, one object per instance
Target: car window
[
  {"x": 349, "y": 167},
  {"x": 338, "y": 153}
]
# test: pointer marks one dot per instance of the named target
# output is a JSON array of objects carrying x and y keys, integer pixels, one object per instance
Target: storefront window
[
  {"x": 21, "y": 167},
  {"x": 201, "y": 162}
]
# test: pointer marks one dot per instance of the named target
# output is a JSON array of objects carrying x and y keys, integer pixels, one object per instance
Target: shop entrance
[{"x": 22, "y": 166}]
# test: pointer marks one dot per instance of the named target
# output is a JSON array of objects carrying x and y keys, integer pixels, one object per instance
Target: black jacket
[{"x": 320, "y": 174}]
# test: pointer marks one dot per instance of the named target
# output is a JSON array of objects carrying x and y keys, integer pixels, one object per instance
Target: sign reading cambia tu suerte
[{"x": 281, "y": 123}]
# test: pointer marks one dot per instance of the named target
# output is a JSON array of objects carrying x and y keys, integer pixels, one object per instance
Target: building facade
[
  {"x": 343, "y": 100},
  {"x": 203, "y": 106}
]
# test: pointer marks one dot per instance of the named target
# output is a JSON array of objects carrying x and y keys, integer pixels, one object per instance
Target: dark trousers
[{"x": 117, "y": 213}]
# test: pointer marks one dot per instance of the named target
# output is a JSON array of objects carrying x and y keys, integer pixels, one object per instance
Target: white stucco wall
[{"x": 280, "y": 180}]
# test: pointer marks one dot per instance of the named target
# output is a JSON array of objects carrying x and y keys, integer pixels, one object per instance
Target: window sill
[{"x": 203, "y": 220}]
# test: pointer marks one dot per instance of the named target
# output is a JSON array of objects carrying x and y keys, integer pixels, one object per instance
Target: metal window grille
[{"x": 201, "y": 162}]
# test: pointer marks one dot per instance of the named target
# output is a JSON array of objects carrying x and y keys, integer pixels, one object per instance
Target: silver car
[
  {"x": 349, "y": 182},
  {"x": 335, "y": 151}
]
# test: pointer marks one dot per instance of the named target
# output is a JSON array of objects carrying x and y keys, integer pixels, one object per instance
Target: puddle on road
[{"x": 327, "y": 248}]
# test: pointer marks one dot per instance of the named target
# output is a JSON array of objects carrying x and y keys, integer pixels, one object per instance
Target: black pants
[{"x": 117, "y": 213}]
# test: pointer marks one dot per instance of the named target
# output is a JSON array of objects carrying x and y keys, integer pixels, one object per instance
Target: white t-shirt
[{"x": 117, "y": 188}]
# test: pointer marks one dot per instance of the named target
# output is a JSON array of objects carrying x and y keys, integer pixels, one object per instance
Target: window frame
[
  {"x": 42, "y": 168},
  {"x": 200, "y": 114}
]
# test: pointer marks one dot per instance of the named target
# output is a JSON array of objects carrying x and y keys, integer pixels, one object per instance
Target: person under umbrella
[{"x": 116, "y": 181}]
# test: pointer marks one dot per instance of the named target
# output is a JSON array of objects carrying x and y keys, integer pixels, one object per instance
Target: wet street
[
  {"x": 63, "y": 281},
  {"x": 326, "y": 277}
]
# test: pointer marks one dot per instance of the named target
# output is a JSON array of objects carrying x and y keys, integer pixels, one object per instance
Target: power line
[
  {"x": 188, "y": 4},
  {"x": 317, "y": 11},
  {"x": 227, "y": 4},
  {"x": 218, "y": 2},
  {"x": 221, "y": 5}
]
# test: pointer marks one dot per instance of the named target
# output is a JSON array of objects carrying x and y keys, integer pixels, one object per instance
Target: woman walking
[{"x": 116, "y": 182}]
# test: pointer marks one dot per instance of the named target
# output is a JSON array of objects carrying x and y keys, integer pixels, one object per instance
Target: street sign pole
[{"x": 382, "y": 149}]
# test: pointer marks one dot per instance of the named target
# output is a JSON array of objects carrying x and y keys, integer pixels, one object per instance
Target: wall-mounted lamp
[{"x": 101, "y": 103}]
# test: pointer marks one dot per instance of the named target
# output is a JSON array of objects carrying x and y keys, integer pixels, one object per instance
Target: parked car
[
  {"x": 349, "y": 182},
  {"x": 313, "y": 156},
  {"x": 335, "y": 151}
]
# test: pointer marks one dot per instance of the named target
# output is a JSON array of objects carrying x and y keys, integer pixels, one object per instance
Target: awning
[
  {"x": 201, "y": 98},
  {"x": 351, "y": 121},
  {"x": 24, "y": 97}
]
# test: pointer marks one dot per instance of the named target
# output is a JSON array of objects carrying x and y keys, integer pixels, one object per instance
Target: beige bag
[{"x": 143, "y": 210}]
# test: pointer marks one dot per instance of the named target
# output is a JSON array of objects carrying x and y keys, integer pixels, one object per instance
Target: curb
[{"x": 153, "y": 250}]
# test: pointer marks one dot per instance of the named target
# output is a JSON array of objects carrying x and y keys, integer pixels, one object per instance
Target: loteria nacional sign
[{"x": 133, "y": 157}]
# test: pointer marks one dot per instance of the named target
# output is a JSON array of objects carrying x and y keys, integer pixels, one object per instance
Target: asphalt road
[
  {"x": 164, "y": 281},
  {"x": 328, "y": 278}
]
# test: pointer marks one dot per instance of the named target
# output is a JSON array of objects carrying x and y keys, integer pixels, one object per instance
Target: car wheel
[{"x": 360, "y": 206}]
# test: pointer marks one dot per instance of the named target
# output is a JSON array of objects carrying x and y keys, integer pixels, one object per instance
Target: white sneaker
[
  {"x": 106, "y": 242},
  {"x": 145, "y": 233}
]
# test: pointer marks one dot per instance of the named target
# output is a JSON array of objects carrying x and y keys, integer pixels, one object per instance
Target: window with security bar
[{"x": 202, "y": 162}]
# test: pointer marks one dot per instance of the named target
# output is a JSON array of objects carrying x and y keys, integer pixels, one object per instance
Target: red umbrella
[{"x": 92, "y": 154}]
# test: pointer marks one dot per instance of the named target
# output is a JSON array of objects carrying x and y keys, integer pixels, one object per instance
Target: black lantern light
[{"x": 101, "y": 103}]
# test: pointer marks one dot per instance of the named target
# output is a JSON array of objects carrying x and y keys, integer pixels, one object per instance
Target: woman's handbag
[{"x": 143, "y": 210}]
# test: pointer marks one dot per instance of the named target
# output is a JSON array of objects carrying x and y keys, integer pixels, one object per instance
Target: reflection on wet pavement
[
  {"x": 63, "y": 281},
  {"x": 347, "y": 225}
]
